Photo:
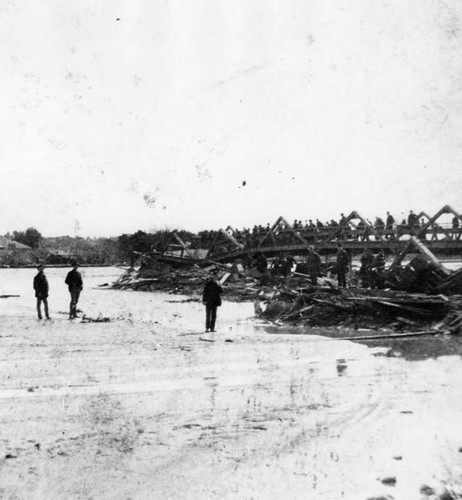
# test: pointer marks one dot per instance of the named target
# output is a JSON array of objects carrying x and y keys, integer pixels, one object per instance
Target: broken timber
[
  {"x": 394, "y": 335},
  {"x": 423, "y": 249}
]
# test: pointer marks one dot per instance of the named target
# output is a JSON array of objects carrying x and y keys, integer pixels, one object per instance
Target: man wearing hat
[
  {"x": 75, "y": 284},
  {"x": 211, "y": 300},
  {"x": 343, "y": 262},
  {"x": 41, "y": 292},
  {"x": 313, "y": 263}
]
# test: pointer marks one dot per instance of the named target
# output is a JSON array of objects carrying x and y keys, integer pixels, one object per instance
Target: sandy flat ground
[{"x": 148, "y": 406}]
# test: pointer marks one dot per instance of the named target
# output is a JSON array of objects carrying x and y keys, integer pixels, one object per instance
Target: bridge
[{"x": 354, "y": 232}]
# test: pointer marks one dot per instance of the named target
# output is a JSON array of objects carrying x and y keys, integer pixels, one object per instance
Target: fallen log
[
  {"x": 333, "y": 304},
  {"x": 395, "y": 335},
  {"x": 298, "y": 312},
  {"x": 456, "y": 320},
  {"x": 99, "y": 319},
  {"x": 415, "y": 310},
  {"x": 302, "y": 275},
  {"x": 405, "y": 320}
]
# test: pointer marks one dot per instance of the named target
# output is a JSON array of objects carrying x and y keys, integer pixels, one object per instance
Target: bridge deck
[{"x": 328, "y": 247}]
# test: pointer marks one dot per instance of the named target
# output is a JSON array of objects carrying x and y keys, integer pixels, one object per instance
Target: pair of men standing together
[
  {"x": 313, "y": 262},
  {"x": 73, "y": 281}
]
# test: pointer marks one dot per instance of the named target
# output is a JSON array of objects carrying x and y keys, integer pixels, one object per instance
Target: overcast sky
[{"x": 126, "y": 115}]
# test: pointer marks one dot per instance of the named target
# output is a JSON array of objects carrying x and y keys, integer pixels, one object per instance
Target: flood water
[{"x": 149, "y": 406}]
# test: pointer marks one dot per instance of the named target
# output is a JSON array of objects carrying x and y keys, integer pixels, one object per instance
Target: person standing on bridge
[
  {"x": 343, "y": 262},
  {"x": 389, "y": 221},
  {"x": 379, "y": 226},
  {"x": 412, "y": 222},
  {"x": 75, "y": 284},
  {"x": 41, "y": 292},
  {"x": 211, "y": 300},
  {"x": 455, "y": 228}
]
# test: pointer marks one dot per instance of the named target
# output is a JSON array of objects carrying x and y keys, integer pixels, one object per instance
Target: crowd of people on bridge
[{"x": 353, "y": 228}]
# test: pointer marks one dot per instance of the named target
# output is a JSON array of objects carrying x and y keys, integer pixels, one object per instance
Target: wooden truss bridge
[{"x": 355, "y": 233}]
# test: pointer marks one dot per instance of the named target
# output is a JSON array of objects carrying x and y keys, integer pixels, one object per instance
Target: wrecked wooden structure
[
  {"x": 355, "y": 232},
  {"x": 414, "y": 292}
]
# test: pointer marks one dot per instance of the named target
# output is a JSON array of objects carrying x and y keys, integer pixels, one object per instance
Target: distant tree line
[{"x": 30, "y": 237}]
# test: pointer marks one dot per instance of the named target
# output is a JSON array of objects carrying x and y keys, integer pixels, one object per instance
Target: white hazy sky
[{"x": 142, "y": 114}]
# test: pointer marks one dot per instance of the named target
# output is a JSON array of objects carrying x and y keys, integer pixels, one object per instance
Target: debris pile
[
  {"x": 164, "y": 277},
  {"x": 362, "y": 309},
  {"x": 419, "y": 295},
  {"x": 161, "y": 276},
  {"x": 242, "y": 284},
  {"x": 452, "y": 284},
  {"x": 419, "y": 275}
]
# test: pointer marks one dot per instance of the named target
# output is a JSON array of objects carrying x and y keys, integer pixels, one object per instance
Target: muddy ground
[{"x": 147, "y": 406}]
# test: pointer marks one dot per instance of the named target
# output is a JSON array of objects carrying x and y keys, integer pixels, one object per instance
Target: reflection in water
[
  {"x": 417, "y": 349},
  {"x": 411, "y": 348},
  {"x": 341, "y": 367}
]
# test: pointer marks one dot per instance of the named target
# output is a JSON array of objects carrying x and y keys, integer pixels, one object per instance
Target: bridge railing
[{"x": 351, "y": 234}]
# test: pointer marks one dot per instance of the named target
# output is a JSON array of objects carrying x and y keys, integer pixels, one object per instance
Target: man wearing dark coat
[
  {"x": 389, "y": 233},
  {"x": 343, "y": 262},
  {"x": 75, "y": 284},
  {"x": 211, "y": 299},
  {"x": 412, "y": 222},
  {"x": 313, "y": 263},
  {"x": 455, "y": 228},
  {"x": 378, "y": 267},
  {"x": 389, "y": 221},
  {"x": 41, "y": 292}
]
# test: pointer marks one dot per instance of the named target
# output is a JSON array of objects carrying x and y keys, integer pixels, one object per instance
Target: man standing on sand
[
  {"x": 75, "y": 284},
  {"x": 211, "y": 299},
  {"x": 41, "y": 292}
]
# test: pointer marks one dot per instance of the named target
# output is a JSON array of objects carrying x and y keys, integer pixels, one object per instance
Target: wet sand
[{"x": 148, "y": 406}]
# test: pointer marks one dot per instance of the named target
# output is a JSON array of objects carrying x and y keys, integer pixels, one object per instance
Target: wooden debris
[
  {"x": 393, "y": 335},
  {"x": 99, "y": 319},
  {"x": 365, "y": 309},
  {"x": 418, "y": 296},
  {"x": 405, "y": 308}
]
